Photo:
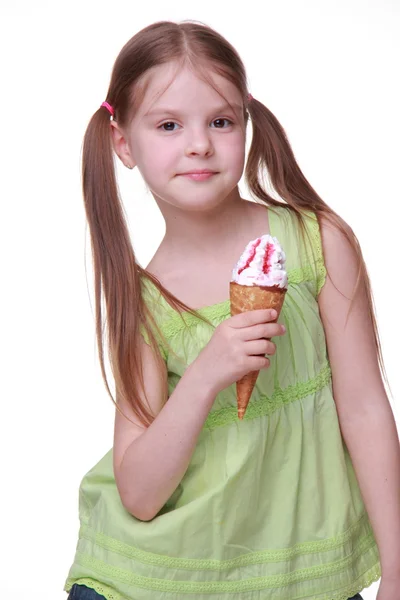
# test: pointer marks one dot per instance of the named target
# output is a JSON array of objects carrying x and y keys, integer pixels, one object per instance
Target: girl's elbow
[
  {"x": 135, "y": 502},
  {"x": 142, "y": 511}
]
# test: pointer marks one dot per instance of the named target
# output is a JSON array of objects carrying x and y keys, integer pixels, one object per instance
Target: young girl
[{"x": 300, "y": 500}]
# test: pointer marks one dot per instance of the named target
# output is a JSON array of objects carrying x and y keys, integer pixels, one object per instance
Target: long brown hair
[{"x": 117, "y": 274}]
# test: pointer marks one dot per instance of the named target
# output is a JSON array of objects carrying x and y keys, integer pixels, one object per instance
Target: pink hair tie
[
  {"x": 108, "y": 107},
  {"x": 249, "y": 97}
]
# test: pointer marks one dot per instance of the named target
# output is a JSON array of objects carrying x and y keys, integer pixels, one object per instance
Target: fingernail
[
  {"x": 283, "y": 328},
  {"x": 273, "y": 314}
]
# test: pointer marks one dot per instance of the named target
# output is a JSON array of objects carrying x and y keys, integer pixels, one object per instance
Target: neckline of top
[{"x": 212, "y": 307}]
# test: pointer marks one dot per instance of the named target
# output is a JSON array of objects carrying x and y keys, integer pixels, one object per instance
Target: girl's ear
[{"x": 121, "y": 146}]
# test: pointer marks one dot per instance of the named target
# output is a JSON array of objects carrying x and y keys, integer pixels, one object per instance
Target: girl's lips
[{"x": 198, "y": 176}]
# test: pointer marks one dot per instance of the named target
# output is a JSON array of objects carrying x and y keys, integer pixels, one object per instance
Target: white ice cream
[{"x": 262, "y": 263}]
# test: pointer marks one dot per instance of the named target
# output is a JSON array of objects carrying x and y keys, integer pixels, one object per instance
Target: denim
[{"x": 81, "y": 592}]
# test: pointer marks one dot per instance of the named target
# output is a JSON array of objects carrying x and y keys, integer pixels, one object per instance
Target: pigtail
[
  {"x": 271, "y": 150},
  {"x": 116, "y": 273},
  {"x": 271, "y": 156}
]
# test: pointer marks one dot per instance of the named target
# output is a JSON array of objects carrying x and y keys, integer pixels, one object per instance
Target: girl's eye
[
  {"x": 167, "y": 123},
  {"x": 221, "y": 121},
  {"x": 165, "y": 126}
]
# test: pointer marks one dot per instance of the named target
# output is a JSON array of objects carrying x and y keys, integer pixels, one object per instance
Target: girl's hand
[
  {"x": 238, "y": 346},
  {"x": 389, "y": 588}
]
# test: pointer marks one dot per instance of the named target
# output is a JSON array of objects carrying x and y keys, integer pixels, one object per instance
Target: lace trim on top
[
  {"x": 100, "y": 588},
  {"x": 266, "y": 405},
  {"x": 317, "y": 245},
  {"x": 176, "y": 321},
  {"x": 360, "y": 530},
  {"x": 250, "y": 558},
  {"x": 349, "y": 591},
  {"x": 243, "y": 585}
]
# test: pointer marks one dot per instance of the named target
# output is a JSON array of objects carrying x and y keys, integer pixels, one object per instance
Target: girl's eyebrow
[{"x": 219, "y": 109}]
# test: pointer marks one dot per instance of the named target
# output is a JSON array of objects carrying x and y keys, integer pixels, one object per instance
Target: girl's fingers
[
  {"x": 264, "y": 330},
  {"x": 260, "y": 347}
]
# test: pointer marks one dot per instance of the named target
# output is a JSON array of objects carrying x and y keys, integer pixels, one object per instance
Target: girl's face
[{"x": 183, "y": 128}]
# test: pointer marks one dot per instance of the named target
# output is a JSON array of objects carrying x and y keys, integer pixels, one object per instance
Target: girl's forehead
[{"x": 172, "y": 83}]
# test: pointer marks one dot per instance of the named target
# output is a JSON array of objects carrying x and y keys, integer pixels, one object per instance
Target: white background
[{"x": 328, "y": 70}]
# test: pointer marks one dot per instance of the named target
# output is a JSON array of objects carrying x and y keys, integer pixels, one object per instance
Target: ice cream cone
[{"x": 244, "y": 298}]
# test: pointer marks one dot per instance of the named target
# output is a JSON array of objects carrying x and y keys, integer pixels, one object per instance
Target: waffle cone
[{"x": 244, "y": 298}]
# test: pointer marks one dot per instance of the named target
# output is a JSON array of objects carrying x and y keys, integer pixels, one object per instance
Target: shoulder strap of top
[
  {"x": 155, "y": 302},
  {"x": 304, "y": 257},
  {"x": 312, "y": 224}
]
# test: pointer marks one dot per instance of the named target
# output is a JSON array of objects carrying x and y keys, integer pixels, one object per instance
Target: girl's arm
[
  {"x": 150, "y": 462},
  {"x": 365, "y": 415}
]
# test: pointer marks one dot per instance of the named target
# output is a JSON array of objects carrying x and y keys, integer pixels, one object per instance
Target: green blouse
[{"x": 269, "y": 507}]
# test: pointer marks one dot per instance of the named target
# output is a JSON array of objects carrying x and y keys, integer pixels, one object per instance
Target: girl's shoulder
[
  {"x": 157, "y": 307},
  {"x": 153, "y": 297}
]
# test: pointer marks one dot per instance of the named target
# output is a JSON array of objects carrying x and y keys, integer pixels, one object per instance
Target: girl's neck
[
  {"x": 201, "y": 236},
  {"x": 203, "y": 246}
]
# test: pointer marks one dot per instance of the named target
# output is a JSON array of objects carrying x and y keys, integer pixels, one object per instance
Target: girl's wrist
[{"x": 198, "y": 379}]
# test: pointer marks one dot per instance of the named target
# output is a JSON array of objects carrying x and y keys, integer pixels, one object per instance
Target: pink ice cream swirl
[{"x": 262, "y": 263}]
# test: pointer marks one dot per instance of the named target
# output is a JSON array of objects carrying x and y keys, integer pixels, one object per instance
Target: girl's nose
[{"x": 199, "y": 142}]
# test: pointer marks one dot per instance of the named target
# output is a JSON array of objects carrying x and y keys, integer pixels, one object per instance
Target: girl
[{"x": 301, "y": 498}]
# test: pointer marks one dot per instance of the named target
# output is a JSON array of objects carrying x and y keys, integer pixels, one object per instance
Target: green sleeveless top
[{"x": 269, "y": 507}]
